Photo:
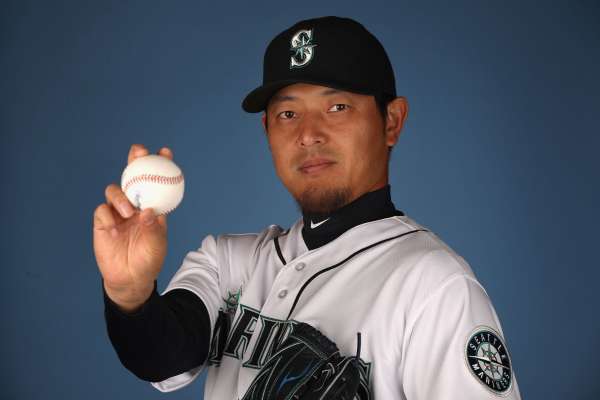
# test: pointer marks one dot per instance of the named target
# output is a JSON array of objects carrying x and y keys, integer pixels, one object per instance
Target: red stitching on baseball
[{"x": 165, "y": 180}]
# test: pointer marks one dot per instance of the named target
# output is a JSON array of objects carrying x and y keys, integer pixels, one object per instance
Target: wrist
[{"x": 129, "y": 299}]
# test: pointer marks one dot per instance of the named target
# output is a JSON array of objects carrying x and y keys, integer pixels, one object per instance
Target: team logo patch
[
  {"x": 488, "y": 360},
  {"x": 232, "y": 301},
  {"x": 303, "y": 48}
]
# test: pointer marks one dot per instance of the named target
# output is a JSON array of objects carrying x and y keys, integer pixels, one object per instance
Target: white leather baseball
[{"x": 155, "y": 182}]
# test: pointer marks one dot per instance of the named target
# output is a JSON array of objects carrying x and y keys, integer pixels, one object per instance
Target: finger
[
  {"x": 104, "y": 219},
  {"x": 147, "y": 216},
  {"x": 136, "y": 151},
  {"x": 162, "y": 220},
  {"x": 116, "y": 198},
  {"x": 166, "y": 152}
]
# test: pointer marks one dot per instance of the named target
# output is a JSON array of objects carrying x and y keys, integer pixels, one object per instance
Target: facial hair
[{"x": 318, "y": 201}]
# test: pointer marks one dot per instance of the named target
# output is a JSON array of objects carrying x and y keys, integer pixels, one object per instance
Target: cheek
[
  {"x": 281, "y": 157},
  {"x": 368, "y": 153}
]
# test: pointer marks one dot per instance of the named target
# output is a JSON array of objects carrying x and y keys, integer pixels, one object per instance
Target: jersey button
[
  {"x": 282, "y": 293},
  {"x": 300, "y": 266}
]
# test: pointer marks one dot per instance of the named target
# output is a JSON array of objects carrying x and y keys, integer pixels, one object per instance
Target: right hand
[{"x": 130, "y": 245}]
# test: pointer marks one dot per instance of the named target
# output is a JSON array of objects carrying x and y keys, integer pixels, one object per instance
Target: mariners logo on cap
[
  {"x": 488, "y": 360},
  {"x": 303, "y": 48}
]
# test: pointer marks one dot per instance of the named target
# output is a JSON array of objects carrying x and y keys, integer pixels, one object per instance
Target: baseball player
[{"x": 354, "y": 301}]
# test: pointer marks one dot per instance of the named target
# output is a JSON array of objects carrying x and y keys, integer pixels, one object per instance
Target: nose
[{"x": 311, "y": 131}]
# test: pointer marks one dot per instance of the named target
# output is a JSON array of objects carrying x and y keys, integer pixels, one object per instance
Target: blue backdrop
[{"x": 499, "y": 157}]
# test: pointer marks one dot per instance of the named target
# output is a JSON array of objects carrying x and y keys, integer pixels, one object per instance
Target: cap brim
[{"x": 257, "y": 100}]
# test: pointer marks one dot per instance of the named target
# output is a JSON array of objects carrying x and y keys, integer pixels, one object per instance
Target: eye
[
  {"x": 286, "y": 114},
  {"x": 338, "y": 107}
]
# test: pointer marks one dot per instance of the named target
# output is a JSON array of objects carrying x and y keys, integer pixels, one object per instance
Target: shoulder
[
  {"x": 222, "y": 251},
  {"x": 233, "y": 244},
  {"x": 431, "y": 256},
  {"x": 235, "y": 253},
  {"x": 425, "y": 264}
]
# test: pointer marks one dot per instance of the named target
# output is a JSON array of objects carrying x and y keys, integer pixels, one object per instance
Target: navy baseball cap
[{"x": 330, "y": 51}]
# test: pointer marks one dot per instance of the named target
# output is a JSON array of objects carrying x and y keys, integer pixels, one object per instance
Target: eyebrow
[{"x": 279, "y": 98}]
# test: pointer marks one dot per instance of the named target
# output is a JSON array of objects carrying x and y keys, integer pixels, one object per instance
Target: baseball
[{"x": 153, "y": 182}]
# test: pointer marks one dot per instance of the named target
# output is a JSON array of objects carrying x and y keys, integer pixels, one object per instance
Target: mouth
[{"x": 315, "y": 165}]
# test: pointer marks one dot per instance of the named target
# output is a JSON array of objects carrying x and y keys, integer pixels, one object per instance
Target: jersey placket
[{"x": 279, "y": 302}]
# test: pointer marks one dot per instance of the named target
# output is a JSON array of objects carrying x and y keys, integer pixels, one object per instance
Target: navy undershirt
[
  {"x": 369, "y": 207},
  {"x": 171, "y": 334}
]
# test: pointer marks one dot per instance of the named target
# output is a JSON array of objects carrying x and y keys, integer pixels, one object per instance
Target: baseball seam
[
  {"x": 165, "y": 180},
  {"x": 167, "y": 211}
]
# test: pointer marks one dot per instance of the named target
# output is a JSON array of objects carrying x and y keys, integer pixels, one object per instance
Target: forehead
[
  {"x": 300, "y": 91},
  {"x": 307, "y": 89}
]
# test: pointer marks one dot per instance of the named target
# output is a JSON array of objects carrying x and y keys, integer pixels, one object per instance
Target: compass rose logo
[
  {"x": 232, "y": 300},
  {"x": 303, "y": 48},
  {"x": 488, "y": 360}
]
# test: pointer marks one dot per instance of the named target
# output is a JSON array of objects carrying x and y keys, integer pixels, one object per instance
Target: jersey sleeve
[
  {"x": 218, "y": 268},
  {"x": 455, "y": 347},
  {"x": 168, "y": 335},
  {"x": 198, "y": 274}
]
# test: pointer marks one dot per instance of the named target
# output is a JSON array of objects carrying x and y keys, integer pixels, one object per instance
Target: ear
[
  {"x": 263, "y": 119},
  {"x": 397, "y": 111}
]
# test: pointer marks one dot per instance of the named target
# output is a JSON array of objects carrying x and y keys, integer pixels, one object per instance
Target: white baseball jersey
[{"x": 428, "y": 328}]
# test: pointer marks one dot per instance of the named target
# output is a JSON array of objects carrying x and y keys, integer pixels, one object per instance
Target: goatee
[{"x": 317, "y": 201}]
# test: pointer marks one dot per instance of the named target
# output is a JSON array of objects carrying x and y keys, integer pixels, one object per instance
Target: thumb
[{"x": 153, "y": 227}]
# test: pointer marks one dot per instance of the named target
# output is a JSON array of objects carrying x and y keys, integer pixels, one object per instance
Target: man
[{"x": 353, "y": 289}]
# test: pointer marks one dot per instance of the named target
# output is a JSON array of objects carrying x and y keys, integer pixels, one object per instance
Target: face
[{"x": 329, "y": 146}]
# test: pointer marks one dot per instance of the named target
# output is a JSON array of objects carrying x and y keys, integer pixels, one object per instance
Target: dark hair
[{"x": 382, "y": 101}]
